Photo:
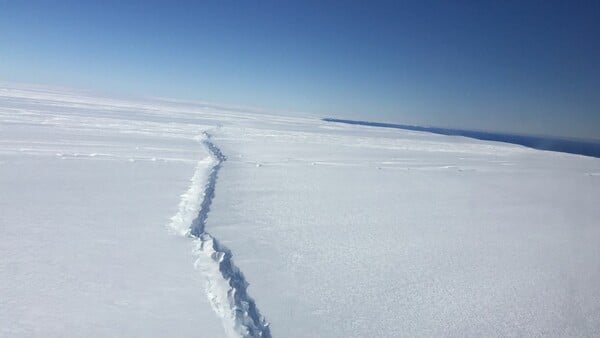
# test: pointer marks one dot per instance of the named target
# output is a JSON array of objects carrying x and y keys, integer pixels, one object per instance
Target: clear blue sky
[{"x": 521, "y": 66}]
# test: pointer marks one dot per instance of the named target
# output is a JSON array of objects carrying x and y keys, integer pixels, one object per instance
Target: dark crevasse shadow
[{"x": 571, "y": 146}]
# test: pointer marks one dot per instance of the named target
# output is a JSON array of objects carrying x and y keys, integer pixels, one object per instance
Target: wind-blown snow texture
[{"x": 341, "y": 230}]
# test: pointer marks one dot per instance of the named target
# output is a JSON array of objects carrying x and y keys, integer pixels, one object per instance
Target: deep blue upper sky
[{"x": 519, "y": 66}]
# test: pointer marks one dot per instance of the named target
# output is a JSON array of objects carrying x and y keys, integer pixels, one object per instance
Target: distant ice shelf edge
[
  {"x": 570, "y": 146},
  {"x": 226, "y": 286}
]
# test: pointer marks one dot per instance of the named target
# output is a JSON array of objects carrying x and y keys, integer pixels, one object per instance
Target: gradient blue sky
[{"x": 520, "y": 66}]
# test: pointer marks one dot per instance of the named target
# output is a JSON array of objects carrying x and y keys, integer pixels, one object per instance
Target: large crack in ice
[{"x": 226, "y": 284}]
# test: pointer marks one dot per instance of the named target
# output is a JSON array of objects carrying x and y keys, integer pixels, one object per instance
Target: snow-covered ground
[
  {"x": 120, "y": 218},
  {"x": 83, "y": 201}
]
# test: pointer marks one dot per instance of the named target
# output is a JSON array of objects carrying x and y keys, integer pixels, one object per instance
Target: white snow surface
[{"x": 130, "y": 218}]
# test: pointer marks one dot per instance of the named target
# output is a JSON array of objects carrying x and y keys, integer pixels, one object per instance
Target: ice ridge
[{"x": 226, "y": 284}]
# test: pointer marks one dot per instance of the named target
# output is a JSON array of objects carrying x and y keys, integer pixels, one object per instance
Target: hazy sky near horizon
[{"x": 518, "y": 66}]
